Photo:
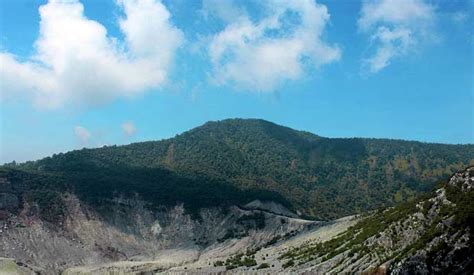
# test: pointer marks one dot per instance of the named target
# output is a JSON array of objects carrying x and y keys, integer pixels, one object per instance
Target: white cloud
[
  {"x": 397, "y": 27},
  {"x": 392, "y": 42},
  {"x": 259, "y": 55},
  {"x": 82, "y": 134},
  {"x": 76, "y": 61},
  {"x": 128, "y": 128}
]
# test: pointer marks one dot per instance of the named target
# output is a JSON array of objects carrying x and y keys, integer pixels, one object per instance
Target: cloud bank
[
  {"x": 259, "y": 55},
  {"x": 75, "y": 60},
  {"x": 396, "y": 28}
]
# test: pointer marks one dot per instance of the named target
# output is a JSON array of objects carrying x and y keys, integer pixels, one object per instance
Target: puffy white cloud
[
  {"x": 259, "y": 54},
  {"x": 77, "y": 62},
  {"x": 148, "y": 31},
  {"x": 21, "y": 79},
  {"x": 128, "y": 128},
  {"x": 397, "y": 27},
  {"x": 82, "y": 134}
]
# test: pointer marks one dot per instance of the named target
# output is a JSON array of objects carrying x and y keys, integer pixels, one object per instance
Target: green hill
[{"x": 238, "y": 160}]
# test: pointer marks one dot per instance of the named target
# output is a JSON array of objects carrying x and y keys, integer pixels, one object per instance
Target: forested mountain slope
[{"x": 319, "y": 177}]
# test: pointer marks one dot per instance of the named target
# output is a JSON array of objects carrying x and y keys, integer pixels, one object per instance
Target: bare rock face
[{"x": 127, "y": 231}]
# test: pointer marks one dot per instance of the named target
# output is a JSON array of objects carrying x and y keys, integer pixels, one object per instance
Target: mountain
[
  {"x": 236, "y": 161},
  {"x": 237, "y": 194}
]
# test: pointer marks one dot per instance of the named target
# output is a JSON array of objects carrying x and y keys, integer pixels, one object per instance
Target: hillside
[
  {"x": 239, "y": 160},
  {"x": 320, "y": 177},
  {"x": 430, "y": 235}
]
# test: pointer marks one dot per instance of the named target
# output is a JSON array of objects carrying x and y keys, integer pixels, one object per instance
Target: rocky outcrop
[
  {"x": 452, "y": 251},
  {"x": 464, "y": 180}
]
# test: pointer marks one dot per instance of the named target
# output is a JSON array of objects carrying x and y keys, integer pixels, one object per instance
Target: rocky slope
[
  {"x": 133, "y": 237},
  {"x": 213, "y": 258},
  {"x": 430, "y": 235}
]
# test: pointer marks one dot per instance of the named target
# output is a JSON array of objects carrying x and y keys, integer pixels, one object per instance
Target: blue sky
[{"x": 90, "y": 73}]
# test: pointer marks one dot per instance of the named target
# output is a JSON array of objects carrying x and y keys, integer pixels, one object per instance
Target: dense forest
[{"x": 239, "y": 160}]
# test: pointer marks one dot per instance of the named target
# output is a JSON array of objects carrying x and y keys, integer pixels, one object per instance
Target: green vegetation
[
  {"x": 236, "y": 161},
  {"x": 263, "y": 265},
  {"x": 240, "y": 260},
  {"x": 219, "y": 263},
  {"x": 290, "y": 263},
  {"x": 42, "y": 191},
  {"x": 464, "y": 210}
]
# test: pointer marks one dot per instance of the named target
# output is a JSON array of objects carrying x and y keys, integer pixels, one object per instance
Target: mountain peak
[
  {"x": 250, "y": 123},
  {"x": 239, "y": 130}
]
